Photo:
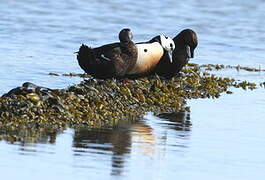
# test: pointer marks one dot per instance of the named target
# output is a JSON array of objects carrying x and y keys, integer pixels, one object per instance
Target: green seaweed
[{"x": 98, "y": 103}]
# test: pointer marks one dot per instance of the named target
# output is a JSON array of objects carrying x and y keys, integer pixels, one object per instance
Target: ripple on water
[{"x": 39, "y": 37}]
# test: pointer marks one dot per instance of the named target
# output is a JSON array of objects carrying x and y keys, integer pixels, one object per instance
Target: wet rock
[
  {"x": 54, "y": 74},
  {"x": 97, "y": 103}
]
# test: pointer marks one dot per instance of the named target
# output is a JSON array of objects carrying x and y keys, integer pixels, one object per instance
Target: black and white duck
[{"x": 185, "y": 43}]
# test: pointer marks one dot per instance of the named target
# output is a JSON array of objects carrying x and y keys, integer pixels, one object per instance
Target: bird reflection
[
  {"x": 119, "y": 137},
  {"x": 143, "y": 138},
  {"x": 126, "y": 136}
]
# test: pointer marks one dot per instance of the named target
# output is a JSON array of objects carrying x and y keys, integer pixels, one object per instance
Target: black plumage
[
  {"x": 185, "y": 43},
  {"x": 111, "y": 60}
]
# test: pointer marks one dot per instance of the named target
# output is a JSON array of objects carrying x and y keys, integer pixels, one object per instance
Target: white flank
[{"x": 149, "y": 55}]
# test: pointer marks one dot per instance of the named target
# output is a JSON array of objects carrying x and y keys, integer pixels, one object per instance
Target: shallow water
[
  {"x": 221, "y": 138},
  {"x": 217, "y": 140}
]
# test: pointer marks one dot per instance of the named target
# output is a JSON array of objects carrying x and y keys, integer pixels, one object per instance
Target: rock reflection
[
  {"x": 176, "y": 130},
  {"x": 179, "y": 121},
  {"x": 27, "y": 136}
]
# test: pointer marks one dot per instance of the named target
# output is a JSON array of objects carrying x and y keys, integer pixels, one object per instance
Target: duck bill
[
  {"x": 190, "y": 52},
  {"x": 170, "y": 56}
]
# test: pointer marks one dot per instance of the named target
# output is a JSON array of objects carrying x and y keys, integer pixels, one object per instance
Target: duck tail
[{"x": 84, "y": 57}]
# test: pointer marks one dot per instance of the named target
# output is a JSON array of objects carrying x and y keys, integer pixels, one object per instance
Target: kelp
[{"x": 98, "y": 103}]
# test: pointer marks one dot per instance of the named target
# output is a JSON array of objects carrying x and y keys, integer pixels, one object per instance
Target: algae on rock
[{"x": 97, "y": 103}]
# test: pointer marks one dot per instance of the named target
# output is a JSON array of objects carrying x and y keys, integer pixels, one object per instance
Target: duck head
[
  {"x": 125, "y": 35},
  {"x": 167, "y": 44},
  {"x": 188, "y": 39}
]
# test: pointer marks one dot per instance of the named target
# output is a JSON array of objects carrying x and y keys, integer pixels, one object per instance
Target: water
[{"x": 219, "y": 139}]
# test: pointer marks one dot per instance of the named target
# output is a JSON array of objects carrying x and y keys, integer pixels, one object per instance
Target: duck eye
[
  {"x": 166, "y": 37},
  {"x": 171, "y": 45},
  {"x": 145, "y": 50}
]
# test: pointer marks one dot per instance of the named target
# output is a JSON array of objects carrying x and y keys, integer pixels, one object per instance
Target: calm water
[{"x": 220, "y": 139}]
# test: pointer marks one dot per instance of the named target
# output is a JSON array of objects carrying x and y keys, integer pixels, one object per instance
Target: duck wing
[
  {"x": 114, "y": 60},
  {"x": 107, "y": 53},
  {"x": 101, "y": 62},
  {"x": 110, "y": 60}
]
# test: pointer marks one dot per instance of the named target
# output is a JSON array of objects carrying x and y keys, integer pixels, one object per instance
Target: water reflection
[
  {"x": 148, "y": 139},
  {"x": 27, "y": 136},
  {"x": 31, "y": 142},
  {"x": 116, "y": 140},
  {"x": 126, "y": 138},
  {"x": 179, "y": 121}
]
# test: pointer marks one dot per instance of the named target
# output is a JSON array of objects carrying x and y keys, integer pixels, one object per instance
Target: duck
[
  {"x": 110, "y": 60},
  {"x": 150, "y": 53},
  {"x": 114, "y": 61},
  {"x": 185, "y": 43}
]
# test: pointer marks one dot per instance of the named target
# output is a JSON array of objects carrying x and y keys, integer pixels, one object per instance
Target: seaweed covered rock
[{"x": 98, "y": 103}]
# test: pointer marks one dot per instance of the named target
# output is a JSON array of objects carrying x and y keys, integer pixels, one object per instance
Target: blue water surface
[{"x": 220, "y": 138}]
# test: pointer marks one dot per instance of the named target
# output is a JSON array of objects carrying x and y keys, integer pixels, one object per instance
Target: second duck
[{"x": 111, "y": 60}]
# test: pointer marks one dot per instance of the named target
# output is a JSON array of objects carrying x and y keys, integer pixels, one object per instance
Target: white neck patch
[{"x": 167, "y": 43}]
